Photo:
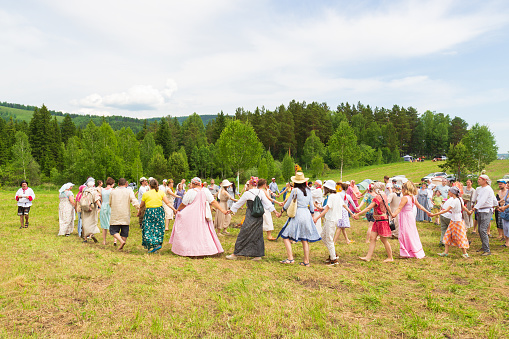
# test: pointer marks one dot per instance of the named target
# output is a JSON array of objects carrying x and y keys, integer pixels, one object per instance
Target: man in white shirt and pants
[{"x": 485, "y": 203}]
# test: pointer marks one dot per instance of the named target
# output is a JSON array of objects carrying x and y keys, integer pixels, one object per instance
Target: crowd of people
[{"x": 390, "y": 208}]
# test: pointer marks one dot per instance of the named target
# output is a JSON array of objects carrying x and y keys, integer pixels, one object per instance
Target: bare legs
[
  {"x": 120, "y": 239},
  {"x": 289, "y": 253},
  {"x": 368, "y": 233},
  {"x": 341, "y": 230},
  {"x": 105, "y": 232},
  {"x": 372, "y": 245}
]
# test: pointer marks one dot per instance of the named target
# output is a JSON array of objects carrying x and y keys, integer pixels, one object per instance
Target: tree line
[{"x": 264, "y": 142}]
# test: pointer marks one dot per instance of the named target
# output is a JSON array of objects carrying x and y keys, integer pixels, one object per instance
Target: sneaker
[
  {"x": 485, "y": 254},
  {"x": 333, "y": 262},
  {"x": 466, "y": 256}
]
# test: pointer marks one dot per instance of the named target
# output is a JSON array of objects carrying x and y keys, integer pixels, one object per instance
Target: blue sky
[{"x": 154, "y": 58}]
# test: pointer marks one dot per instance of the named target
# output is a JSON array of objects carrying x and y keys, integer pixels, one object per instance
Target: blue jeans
[{"x": 79, "y": 224}]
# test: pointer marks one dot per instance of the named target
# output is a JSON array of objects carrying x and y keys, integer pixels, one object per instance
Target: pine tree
[
  {"x": 164, "y": 138},
  {"x": 67, "y": 129}
]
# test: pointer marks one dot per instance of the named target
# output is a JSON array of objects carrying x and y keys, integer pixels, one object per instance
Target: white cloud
[{"x": 136, "y": 98}]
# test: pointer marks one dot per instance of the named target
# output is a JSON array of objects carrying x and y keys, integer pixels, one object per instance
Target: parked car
[
  {"x": 440, "y": 158},
  {"x": 434, "y": 175}
]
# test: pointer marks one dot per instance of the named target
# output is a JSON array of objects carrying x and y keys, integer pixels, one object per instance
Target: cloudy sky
[{"x": 154, "y": 58}]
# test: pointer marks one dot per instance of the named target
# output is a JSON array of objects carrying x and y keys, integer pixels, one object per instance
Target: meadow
[{"x": 60, "y": 287}]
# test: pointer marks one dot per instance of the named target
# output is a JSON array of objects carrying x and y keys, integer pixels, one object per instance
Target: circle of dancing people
[{"x": 390, "y": 208}]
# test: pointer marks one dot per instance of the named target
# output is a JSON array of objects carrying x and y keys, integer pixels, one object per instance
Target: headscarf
[
  {"x": 65, "y": 187},
  {"x": 253, "y": 181},
  {"x": 454, "y": 190},
  {"x": 80, "y": 192},
  {"x": 487, "y": 178},
  {"x": 89, "y": 180},
  {"x": 196, "y": 181},
  {"x": 379, "y": 187}
]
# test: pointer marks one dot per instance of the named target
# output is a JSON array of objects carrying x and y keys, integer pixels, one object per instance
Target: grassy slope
[
  {"x": 19, "y": 114},
  {"x": 58, "y": 287}
]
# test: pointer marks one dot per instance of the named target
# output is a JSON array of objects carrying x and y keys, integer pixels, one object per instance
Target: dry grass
[{"x": 59, "y": 287}]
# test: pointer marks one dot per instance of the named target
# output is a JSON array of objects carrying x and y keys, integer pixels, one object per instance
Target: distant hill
[{"x": 24, "y": 113}]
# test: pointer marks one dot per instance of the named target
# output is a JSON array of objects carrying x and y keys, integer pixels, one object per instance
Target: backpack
[
  {"x": 257, "y": 210},
  {"x": 87, "y": 201}
]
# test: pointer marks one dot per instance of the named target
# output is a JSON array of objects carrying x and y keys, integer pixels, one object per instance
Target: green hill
[{"x": 24, "y": 113}]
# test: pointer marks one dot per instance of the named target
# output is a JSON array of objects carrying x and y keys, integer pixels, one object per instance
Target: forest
[{"x": 267, "y": 143}]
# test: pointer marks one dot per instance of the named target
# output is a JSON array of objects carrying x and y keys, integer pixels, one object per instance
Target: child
[
  {"x": 333, "y": 212},
  {"x": 437, "y": 204}
]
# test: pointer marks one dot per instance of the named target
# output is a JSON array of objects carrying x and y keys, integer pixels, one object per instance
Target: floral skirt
[
  {"x": 456, "y": 235},
  {"x": 153, "y": 227}
]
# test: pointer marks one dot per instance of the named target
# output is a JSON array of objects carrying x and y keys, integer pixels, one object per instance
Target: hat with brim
[
  {"x": 225, "y": 183},
  {"x": 142, "y": 179},
  {"x": 330, "y": 184},
  {"x": 299, "y": 178}
]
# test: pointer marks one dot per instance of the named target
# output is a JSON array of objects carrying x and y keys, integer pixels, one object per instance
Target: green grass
[
  {"x": 59, "y": 287},
  {"x": 19, "y": 114}
]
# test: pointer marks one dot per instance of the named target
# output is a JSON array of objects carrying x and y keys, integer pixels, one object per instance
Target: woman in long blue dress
[
  {"x": 423, "y": 198},
  {"x": 180, "y": 193},
  {"x": 301, "y": 227}
]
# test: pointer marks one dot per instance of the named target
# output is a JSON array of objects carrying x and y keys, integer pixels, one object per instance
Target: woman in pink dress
[
  {"x": 193, "y": 233},
  {"x": 409, "y": 242}
]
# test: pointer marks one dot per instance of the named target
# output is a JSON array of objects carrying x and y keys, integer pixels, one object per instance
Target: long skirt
[
  {"x": 456, "y": 235},
  {"x": 249, "y": 242},
  {"x": 65, "y": 217},
  {"x": 104, "y": 216},
  {"x": 221, "y": 220},
  {"x": 468, "y": 219},
  {"x": 153, "y": 227},
  {"x": 89, "y": 223},
  {"x": 410, "y": 245},
  {"x": 421, "y": 215}
]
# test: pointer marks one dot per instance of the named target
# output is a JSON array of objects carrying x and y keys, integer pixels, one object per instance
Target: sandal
[
  {"x": 304, "y": 264},
  {"x": 26, "y": 225},
  {"x": 287, "y": 261},
  {"x": 155, "y": 249},
  {"x": 443, "y": 254}
]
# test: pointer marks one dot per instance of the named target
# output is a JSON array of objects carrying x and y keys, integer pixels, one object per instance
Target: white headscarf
[{"x": 65, "y": 187}]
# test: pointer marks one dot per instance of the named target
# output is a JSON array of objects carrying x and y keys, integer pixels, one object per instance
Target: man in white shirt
[
  {"x": 121, "y": 199},
  {"x": 24, "y": 196},
  {"x": 486, "y": 201}
]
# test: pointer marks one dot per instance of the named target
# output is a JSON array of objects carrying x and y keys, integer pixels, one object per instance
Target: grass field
[{"x": 59, "y": 287}]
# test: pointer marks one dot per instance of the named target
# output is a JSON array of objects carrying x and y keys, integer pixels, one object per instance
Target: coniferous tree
[
  {"x": 67, "y": 129},
  {"x": 164, "y": 138}
]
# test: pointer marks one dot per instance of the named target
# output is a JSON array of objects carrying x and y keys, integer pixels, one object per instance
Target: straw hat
[
  {"x": 225, "y": 183},
  {"x": 299, "y": 178}
]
